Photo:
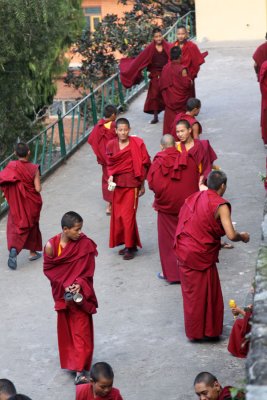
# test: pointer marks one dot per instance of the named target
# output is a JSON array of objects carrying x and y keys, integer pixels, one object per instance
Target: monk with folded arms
[
  {"x": 128, "y": 162},
  {"x": 101, "y": 134},
  {"x": 69, "y": 264},
  {"x": 100, "y": 386},
  {"x": 172, "y": 177},
  {"x": 204, "y": 218},
  {"x": 20, "y": 182},
  {"x": 207, "y": 387}
]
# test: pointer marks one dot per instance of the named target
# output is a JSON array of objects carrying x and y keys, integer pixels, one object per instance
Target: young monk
[
  {"x": 153, "y": 57},
  {"x": 20, "y": 182},
  {"x": 102, "y": 133},
  {"x": 207, "y": 387},
  {"x": 175, "y": 86},
  {"x": 173, "y": 176},
  {"x": 204, "y": 218},
  {"x": 128, "y": 162},
  {"x": 193, "y": 106},
  {"x": 200, "y": 150},
  {"x": 259, "y": 56},
  {"x": 69, "y": 264},
  {"x": 192, "y": 58},
  {"x": 100, "y": 386}
]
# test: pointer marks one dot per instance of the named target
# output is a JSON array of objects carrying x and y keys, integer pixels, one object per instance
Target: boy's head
[
  {"x": 22, "y": 150},
  {"x": 193, "y": 105},
  {"x": 71, "y": 224},
  {"x": 181, "y": 33},
  {"x": 157, "y": 36},
  {"x": 123, "y": 129},
  {"x": 207, "y": 386},
  {"x": 110, "y": 112},
  {"x": 176, "y": 53},
  {"x": 19, "y": 397},
  {"x": 7, "y": 389},
  {"x": 183, "y": 130},
  {"x": 101, "y": 378},
  {"x": 217, "y": 180}
]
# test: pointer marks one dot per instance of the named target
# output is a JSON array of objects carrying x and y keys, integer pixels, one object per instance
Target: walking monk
[
  {"x": 204, "y": 218},
  {"x": 69, "y": 264},
  {"x": 192, "y": 58},
  {"x": 100, "y": 386},
  {"x": 128, "y": 162},
  {"x": 153, "y": 57},
  {"x": 175, "y": 86},
  {"x": 172, "y": 177},
  {"x": 263, "y": 88},
  {"x": 102, "y": 133},
  {"x": 259, "y": 56},
  {"x": 20, "y": 182},
  {"x": 193, "y": 107}
]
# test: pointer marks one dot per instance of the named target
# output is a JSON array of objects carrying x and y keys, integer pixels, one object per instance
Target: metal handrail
[{"x": 60, "y": 139}]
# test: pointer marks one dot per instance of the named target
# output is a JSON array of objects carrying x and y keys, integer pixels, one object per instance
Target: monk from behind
[
  {"x": 172, "y": 177},
  {"x": 69, "y": 264},
  {"x": 204, "y": 218},
  {"x": 100, "y": 386},
  {"x": 20, "y": 182}
]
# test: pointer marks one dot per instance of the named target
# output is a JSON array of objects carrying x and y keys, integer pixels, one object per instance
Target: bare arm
[
  {"x": 48, "y": 249},
  {"x": 256, "y": 68},
  {"x": 224, "y": 214},
  {"x": 37, "y": 182},
  {"x": 195, "y": 129}
]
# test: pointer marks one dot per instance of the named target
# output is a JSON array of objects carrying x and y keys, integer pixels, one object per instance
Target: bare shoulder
[{"x": 48, "y": 249}]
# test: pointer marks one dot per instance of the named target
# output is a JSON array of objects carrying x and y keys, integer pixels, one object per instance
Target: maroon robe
[
  {"x": 238, "y": 346},
  {"x": 131, "y": 68},
  {"x": 172, "y": 177},
  {"x": 203, "y": 154},
  {"x": 128, "y": 168},
  {"x": 98, "y": 139},
  {"x": 192, "y": 59},
  {"x": 263, "y": 88},
  {"x": 85, "y": 392},
  {"x": 198, "y": 241},
  {"x": 192, "y": 121},
  {"x": 175, "y": 89},
  {"x": 75, "y": 264},
  {"x": 260, "y": 56},
  {"x": 225, "y": 393},
  {"x": 17, "y": 183}
]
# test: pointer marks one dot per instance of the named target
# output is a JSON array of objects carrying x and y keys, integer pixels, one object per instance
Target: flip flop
[
  {"x": 161, "y": 276},
  {"x": 38, "y": 255},
  {"x": 80, "y": 380},
  {"x": 12, "y": 259}
]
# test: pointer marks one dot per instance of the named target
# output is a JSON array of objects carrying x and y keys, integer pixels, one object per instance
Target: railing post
[
  {"x": 61, "y": 135},
  {"x": 93, "y": 105},
  {"x": 121, "y": 95}
]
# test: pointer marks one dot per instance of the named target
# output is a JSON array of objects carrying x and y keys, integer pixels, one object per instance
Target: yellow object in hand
[{"x": 232, "y": 303}]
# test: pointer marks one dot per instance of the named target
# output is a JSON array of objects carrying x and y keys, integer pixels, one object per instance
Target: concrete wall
[
  {"x": 108, "y": 6},
  {"x": 219, "y": 20}
]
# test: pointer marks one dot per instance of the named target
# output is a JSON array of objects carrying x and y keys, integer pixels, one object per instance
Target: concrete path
[{"x": 139, "y": 326}]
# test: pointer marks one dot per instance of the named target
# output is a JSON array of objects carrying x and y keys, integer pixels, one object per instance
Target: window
[
  {"x": 53, "y": 109},
  {"x": 93, "y": 17}
]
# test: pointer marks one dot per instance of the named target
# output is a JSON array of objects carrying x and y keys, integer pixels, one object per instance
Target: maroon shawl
[
  {"x": 98, "y": 139},
  {"x": 131, "y": 68},
  {"x": 192, "y": 58},
  {"x": 192, "y": 121},
  {"x": 76, "y": 263}
]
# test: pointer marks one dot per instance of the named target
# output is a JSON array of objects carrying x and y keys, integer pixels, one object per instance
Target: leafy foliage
[
  {"x": 126, "y": 36},
  {"x": 34, "y": 36}
]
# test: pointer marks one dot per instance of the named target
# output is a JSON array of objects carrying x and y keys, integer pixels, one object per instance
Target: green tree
[{"x": 34, "y": 37}]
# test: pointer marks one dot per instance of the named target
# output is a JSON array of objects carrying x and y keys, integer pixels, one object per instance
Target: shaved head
[
  {"x": 205, "y": 377},
  {"x": 167, "y": 141}
]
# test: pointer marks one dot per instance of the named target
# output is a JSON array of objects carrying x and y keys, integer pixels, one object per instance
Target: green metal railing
[{"x": 51, "y": 146}]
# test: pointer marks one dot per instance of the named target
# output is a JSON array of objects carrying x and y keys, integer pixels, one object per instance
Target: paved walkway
[{"x": 139, "y": 326}]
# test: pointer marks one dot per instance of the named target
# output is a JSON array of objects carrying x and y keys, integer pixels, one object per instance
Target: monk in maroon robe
[
  {"x": 100, "y": 386},
  {"x": 20, "y": 182},
  {"x": 172, "y": 177},
  {"x": 175, "y": 86},
  {"x": 69, "y": 264},
  {"x": 263, "y": 88},
  {"x": 192, "y": 58},
  {"x": 259, "y": 56},
  {"x": 207, "y": 387},
  {"x": 193, "y": 106},
  {"x": 103, "y": 132},
  {"x": 153, "y": 57},
  {"x": 204, "y": 218},
  {"x": 238, "y": 344},
  {"x": 128, "y": 163}
]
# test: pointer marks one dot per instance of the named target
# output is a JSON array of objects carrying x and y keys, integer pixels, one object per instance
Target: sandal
[
  {"x": 160, "y": 276},
  {"x": 80, "y": 380},
  {"x": 38, "y": 255},
  {"x": 12, "y": 259}
]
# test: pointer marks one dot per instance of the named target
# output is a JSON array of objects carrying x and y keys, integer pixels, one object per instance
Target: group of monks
[{"x": 192, "y": 214}]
